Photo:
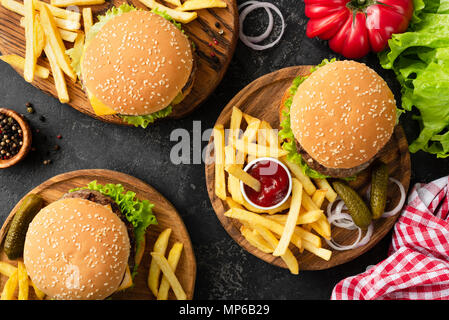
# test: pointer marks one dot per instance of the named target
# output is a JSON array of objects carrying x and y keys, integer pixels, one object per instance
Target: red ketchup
[{"x": 274, "y": 180}]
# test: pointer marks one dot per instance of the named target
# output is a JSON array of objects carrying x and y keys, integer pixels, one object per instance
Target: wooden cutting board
[
  {"x": 261, "y": 99},
  {"x": 212, "y": 58},
  {"x": 167, "y": 217}
]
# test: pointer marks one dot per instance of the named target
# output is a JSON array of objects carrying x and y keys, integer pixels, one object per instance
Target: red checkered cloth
[{"x": 418, "y": 264}]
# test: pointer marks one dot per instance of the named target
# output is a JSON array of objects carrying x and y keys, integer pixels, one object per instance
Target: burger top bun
[
  {"x": 137, "y": 63},
  {"x": 343, "y": 114},
  {"x": 76, "y": 249}
]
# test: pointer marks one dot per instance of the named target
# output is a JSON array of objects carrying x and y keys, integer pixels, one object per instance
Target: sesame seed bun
[
  {"x": 343, "y": 114},
  {"x": 76, "y": 249},
  {"x": 137, "y": 63}
]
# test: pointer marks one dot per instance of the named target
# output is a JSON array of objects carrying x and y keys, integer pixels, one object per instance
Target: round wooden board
[
  {"x": 261, "y": 99},
  {"x": 202, "y": 31},
  {"x": 167, "y": 216}
]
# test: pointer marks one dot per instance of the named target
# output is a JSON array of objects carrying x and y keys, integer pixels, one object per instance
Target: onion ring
[
  {"x": 401, "y": 203},
  {"x": 267, "y": 32},
  {"x": 252, "y": 41}
]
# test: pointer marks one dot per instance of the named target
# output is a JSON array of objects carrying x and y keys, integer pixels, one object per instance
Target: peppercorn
[
  {"x": 217, "y": 24},
  {"x": 42, "y": 118},
  {"x": 11, "y": 137}
]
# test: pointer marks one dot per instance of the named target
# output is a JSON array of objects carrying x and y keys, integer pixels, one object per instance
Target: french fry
[
  {"x": 320, "y": 252},
  {"x": 160, "y": 246},
  {"x": 254, "y": 218},
  {"x": 173, "y": 259},
  {"x": 292, "y": 217},
  {"x": 255, "y": 239},
  {"x": 191, "y": 5},
  {"x": 10, "y": 287},
  {"x": 87, "y": 19},
  {"x": 322, "y": 226},
  {"x": 180, "y": 16},
  {"x": 233, "y": 182},
  {"x": 250, "y": 133},
  {"x": 30, "y": 55},
  {"x": 59, "y": 12},
  {"x": 258, "y": 150},
  {"x": 309, "y": 187},
  {"x": 39, "y": 294},
  {"x": 287, "y": 257},
  {"x": 58, "y": 76},
  {"x": 66, "y": 35},
  {"x": 308, "y": 203},
  {"x": 19, "y": 62},
  {"x": 219, "y": 142},
  {"x": 319, "y": 196},
  {"x": 250, "y": 119},
  {"x": 270, "y": 134},
  {"x": 243, "y": 176},
  {"x": 331, "y": 195},
  {"x": 234, "y": 127},
  {"x": 68, "y": 3},
  {"x": 233, "y": 204},
  {"x": 39, "y": 37},
  {"x": 163, "y": 264},
  {"x": 176, "y": 3},
  {"x": 54, "y": 39},
  {"x": 308, "y": 236},
  {"x": 23, "y": 281},
  {"x": 70, "y": 23},
  {"x": 303, "y": 218},
  {"x": 7, "y": 269}
]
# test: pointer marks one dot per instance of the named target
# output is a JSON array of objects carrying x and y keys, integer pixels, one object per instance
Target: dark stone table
[{"x": 225, "y": 271}]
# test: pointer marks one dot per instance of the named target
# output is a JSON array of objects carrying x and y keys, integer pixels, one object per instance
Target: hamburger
[
  {"x": 87, "y": 246},
  {"x": 335, "y": 121},
  {"x": 135, "y": 63}
]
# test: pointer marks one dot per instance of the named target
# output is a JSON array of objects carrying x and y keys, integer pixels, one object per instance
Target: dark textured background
[{"x": 225, "y": 271}]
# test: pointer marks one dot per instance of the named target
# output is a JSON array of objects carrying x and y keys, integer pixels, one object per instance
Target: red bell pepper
[{"x": 356, "y": 27}]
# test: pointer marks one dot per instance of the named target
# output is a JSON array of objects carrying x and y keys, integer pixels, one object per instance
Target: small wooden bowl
[{"x": 26, "y": 139}]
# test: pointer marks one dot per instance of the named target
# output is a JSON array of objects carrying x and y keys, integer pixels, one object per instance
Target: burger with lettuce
[
  {"x": 336, "y": 120},
  {"x": 88, "y": 244},
  {"x": 136, "y": 64}
]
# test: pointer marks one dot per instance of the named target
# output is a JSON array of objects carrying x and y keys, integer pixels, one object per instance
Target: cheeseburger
[
  {"x": 335, "y": 121},
  {"x": 83, "y": 246},
  {"x": 137, "y": 64}
]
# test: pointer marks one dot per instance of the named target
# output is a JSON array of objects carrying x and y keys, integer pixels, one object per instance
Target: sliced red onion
[
  {"x": 337, "y": 217},
  {"x": 401, "y": 203},
  {"x": 251, "y": 42},
  {"x": 267, "y": 32}
]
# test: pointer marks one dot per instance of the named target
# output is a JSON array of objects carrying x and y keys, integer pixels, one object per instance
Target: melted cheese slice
[{"x": 99, "y": 107}]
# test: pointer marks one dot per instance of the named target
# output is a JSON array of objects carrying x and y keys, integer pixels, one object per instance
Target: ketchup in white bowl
[{"x": 275, "y": 180}]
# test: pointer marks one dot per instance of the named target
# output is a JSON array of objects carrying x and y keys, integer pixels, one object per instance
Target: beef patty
[
  {"x": 99, "y": 198},
  {"x": 331, "y": 172}
]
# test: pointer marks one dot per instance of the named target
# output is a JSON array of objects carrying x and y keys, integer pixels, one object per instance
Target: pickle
[
  {"x": 15, "y": 238},
  {"x": 359, "y": 211},
  {"x": 379, "y": 185}
]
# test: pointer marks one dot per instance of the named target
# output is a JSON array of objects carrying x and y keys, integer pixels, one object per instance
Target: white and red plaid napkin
[{"x": 418, "y": 264}]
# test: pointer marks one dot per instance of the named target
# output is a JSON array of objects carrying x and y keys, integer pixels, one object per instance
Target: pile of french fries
[
  {"x": 184, "y": 12},
  {"x": 158, "y": 285},
  {"x": 18, "y": 281},
  {"x": 300, "y": 222},
  {"x": 48, "y": 26}
]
